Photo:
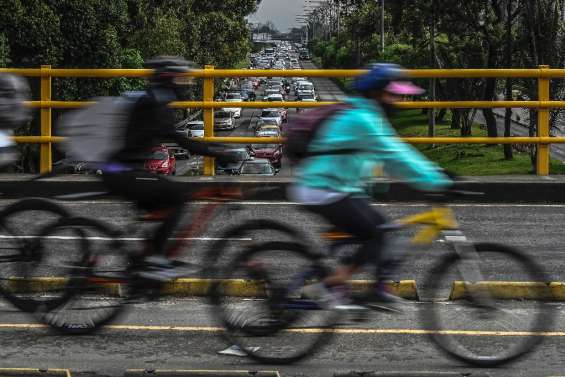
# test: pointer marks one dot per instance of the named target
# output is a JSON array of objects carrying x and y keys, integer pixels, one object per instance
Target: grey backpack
[
  {"x": 14, "y": 91},
  {"x": 97, "y": 132}
]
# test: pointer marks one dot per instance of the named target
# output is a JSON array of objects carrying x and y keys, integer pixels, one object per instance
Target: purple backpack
[{"x": 301, "y": 131}]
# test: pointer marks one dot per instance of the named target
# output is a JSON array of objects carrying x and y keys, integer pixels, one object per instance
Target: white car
[
  {"x": 234, "y": 97},
  {"x": 304, "y": 86},
  {"x": 274, "y": 98},
  {"x": 271, "y": 91},
  {"x": 224, "y": 120},
  {"x": 307, "y": 97},
  {"x": 271, "y": 116},
  {"x": 196, "y": 128},
  {"x": 185, "y": 128}
]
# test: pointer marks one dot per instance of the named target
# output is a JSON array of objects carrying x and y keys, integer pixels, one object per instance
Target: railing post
[
  {"x": 543, "y": 123},
  {"x": 542, "y": 167},
  {"x": 208, "y": 119},
  {"x": 45, "y": 162}
]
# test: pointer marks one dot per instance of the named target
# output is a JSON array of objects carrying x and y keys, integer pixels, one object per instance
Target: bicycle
[
  {"x": 99, "y": 290},
  {"x": 22, "y": 269},
  {"x": 282, "y": 326}
]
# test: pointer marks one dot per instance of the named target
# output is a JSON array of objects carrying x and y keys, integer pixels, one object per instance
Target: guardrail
[{"x": 543, "y": 74}]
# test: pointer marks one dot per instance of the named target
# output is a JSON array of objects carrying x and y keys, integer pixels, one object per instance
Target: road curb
[
  {"x": 512, "y": 290},
  {"x": 499, "y": 189},
  {"x": 200, "y": 373},
  {"x": 195, "y": 287},
  {"x": 30, "y": 372}
]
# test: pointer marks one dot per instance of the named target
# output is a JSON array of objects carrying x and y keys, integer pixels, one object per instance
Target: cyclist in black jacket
[{"x": 152, "y": 123}]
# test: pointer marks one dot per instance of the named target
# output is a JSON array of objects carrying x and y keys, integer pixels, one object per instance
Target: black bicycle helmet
[{"x": 170, "y": 70}]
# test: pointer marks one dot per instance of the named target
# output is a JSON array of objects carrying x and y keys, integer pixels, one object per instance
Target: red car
[
  {"x": 271, "y": 152},
  {"x": 162, "y": 161}
]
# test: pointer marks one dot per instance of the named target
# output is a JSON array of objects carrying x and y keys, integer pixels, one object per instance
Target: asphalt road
[{"x": 179, "y": 334}]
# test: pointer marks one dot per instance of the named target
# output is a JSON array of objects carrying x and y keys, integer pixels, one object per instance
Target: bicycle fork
[{"x": 469, "y": 268}]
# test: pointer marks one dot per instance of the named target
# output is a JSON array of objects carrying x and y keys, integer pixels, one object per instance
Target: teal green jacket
[{"x": 366, "y": 129}]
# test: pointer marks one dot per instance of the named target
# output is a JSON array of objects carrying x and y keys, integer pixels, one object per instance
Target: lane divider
[{"x": 187, "y": 287}]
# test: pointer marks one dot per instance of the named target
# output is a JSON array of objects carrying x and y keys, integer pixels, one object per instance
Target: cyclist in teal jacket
[{"x": 333, "y": 185}]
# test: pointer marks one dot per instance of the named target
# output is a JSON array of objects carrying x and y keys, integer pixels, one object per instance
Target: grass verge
[{"x": 466, "y": 159}]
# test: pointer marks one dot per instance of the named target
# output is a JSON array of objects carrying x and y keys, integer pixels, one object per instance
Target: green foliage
[
  {"x": 116, "y": 34},
  {"x": 4, "y": 50},
  {"x": 465, "y": 159}
]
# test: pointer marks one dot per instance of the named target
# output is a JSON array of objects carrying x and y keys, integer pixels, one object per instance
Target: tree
[
  {"x": 118, "y": 33},
  {"x": 541, "y": 41}
]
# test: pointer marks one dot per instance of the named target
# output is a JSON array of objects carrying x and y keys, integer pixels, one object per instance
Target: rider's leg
[
  {"x": 150, "y": 192},
  {"x": 357, "y": 217}
]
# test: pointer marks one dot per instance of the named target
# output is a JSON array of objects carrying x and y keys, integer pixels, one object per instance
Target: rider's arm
[{"x": 400, "y": 159}]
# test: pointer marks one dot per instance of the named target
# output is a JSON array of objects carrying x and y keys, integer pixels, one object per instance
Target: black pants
[
  {"x": 150, "y": 192},
  {"x": 357, "y": 217}
]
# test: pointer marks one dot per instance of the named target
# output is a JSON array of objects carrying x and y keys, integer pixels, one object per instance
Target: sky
[{"x": 281, "y": 12}]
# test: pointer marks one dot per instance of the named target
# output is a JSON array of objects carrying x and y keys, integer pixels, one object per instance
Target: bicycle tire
[
  {"x": 218, "y": 249},
  {"x": 450, "y": 343},
  {"x": 84, "y": 283},
  {"x": 23, "y": 254},
  {"x": 278, "y": 322}
]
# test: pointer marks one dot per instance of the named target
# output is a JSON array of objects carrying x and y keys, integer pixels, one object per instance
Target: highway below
[{"x": 178, "y": 333}]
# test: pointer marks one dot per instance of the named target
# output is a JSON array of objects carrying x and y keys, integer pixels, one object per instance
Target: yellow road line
[
  {"x": 34, "y": 372},
  {"x": 206, "y": 372},
  {"x": 349, "y": 331}
]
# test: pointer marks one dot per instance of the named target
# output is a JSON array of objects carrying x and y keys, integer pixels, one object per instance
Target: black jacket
[{"x": 152, "y": 123}]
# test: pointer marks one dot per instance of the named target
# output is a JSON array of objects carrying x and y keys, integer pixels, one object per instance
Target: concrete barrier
[{"x": 497, "y": 189}]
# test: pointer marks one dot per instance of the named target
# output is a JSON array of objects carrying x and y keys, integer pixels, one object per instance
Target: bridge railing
[{"x": 543, "y": 104}]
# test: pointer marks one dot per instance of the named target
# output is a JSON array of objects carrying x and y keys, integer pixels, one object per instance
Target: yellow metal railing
[{"x": 543, "y": 74}]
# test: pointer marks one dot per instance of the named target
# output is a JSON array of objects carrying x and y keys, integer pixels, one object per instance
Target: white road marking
[{"x": 68, "y": 238}]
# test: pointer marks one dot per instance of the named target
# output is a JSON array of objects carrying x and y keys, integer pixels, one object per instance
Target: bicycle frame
[{"x": 435, "y": 221}]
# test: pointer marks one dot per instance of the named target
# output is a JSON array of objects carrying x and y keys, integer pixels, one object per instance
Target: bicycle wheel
[
  {"x": 97, "y": 290},
  {"x": 481, "y": 326},
  {"x": 276, "y": 326},
  {"x": 29, "y": 279}
]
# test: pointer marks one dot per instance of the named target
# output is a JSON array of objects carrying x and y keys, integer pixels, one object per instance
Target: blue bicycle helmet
[{"x": 378, "y": 77}]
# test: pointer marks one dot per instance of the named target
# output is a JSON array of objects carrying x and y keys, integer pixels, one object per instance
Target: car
[
  {"x": 178, "y": 152},
  {"x": 161, "y": 161},
  {"x": 274, "y": 98},
  {"x": 280, "y": 88},
  {"x": 196, "y": 128},
  {"x": 258, "y": 166},
  {"x": 268, "y": 128},
  {"x": 224, "y": 120},
  {"x": 272, "y": 114},
  {"x": 284, "y": 114},
  {"x": 272, "y": 152},
  {"x": 269, "y": 133},
  {"x": 303, "y": 86},
  {"x": 243, "y": 154},
  {"x": 234, "y": 97},
  {"x": 307, "y": 97},
  {"x": 271, "y": 91}
]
